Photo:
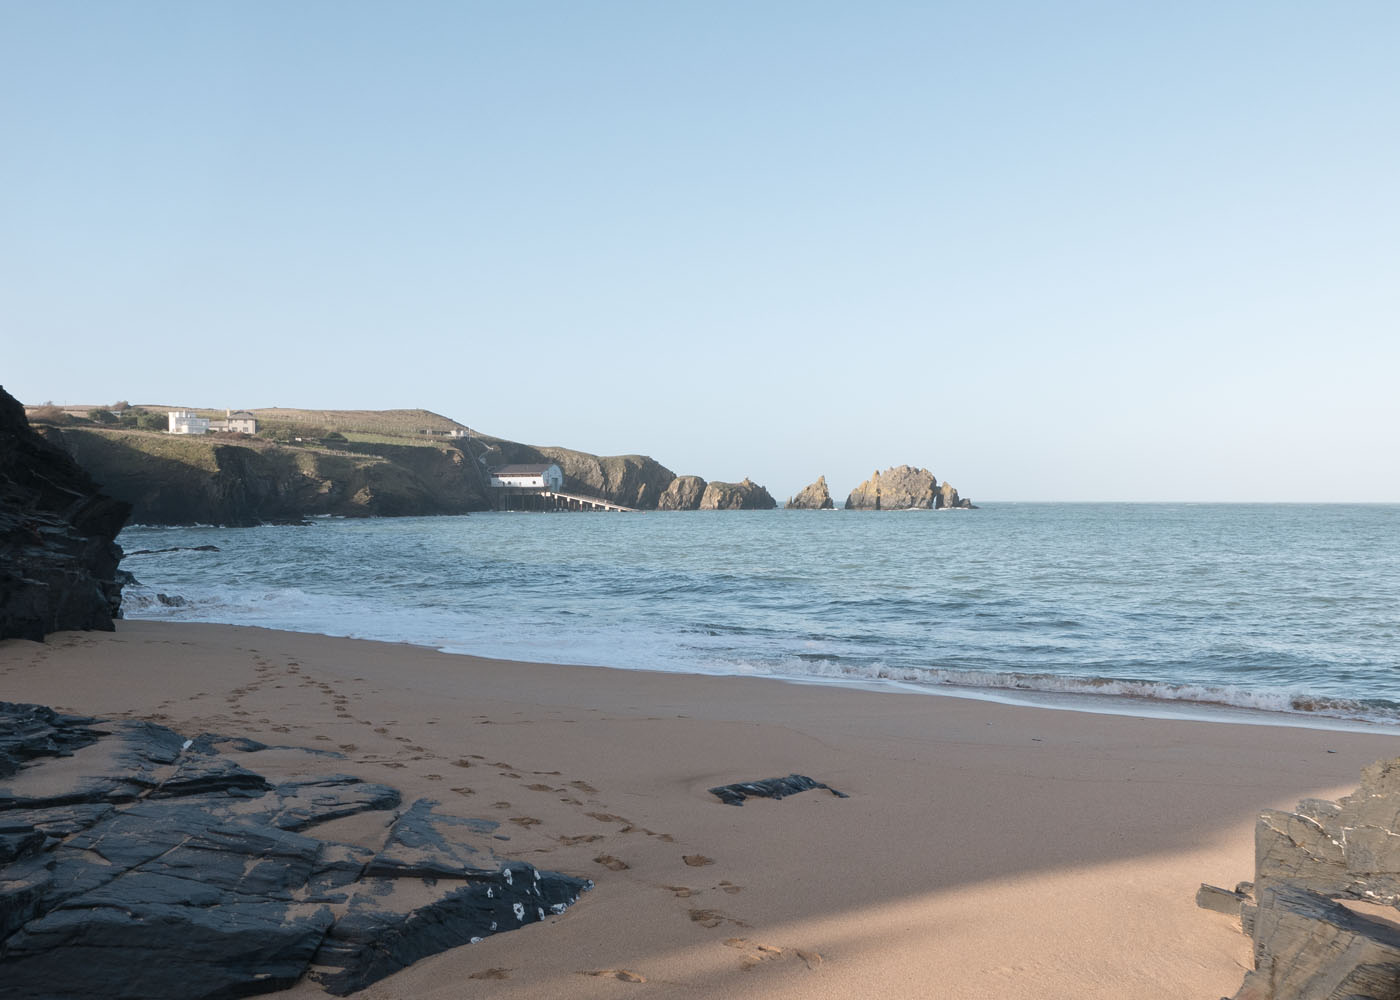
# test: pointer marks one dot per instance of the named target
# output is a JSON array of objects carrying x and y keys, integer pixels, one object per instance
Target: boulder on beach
[
  {"x": 813, "y": 497},
  {"x": 58, "y": 554},
  {"x": 746, "y": 495}
]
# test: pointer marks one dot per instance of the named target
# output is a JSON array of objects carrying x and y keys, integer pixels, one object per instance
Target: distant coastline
[{"x": 296, "y": 464}]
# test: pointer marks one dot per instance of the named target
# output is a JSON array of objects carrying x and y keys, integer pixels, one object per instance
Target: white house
[
  {"x": 236, "y": 422},
  {"x": 529, "y": 477},
  {"x": 185, "y": 422}
]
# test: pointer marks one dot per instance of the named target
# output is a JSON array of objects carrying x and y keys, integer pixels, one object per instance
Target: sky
[{"x": 1049, "y": 251}]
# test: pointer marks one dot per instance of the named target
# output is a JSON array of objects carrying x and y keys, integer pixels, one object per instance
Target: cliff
[
  {"x": 904, "y": 487},
  {"x": 684, "y": 493},
  {"x": 206, "y": 479},
  {"x": 813, "y": 497},
  {"x": 58, "y": 557},
  {"x": 747, "y": 495}
]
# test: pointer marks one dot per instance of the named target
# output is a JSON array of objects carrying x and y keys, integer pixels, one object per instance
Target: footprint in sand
[
  {"x": 697, "y": 860},
  {"x": 713, "y": 918},
  {"x": 540, "y": 788},
  {"x": 756, "y": 954},
  {"x": 584, "y": 838},
  {"x": 626, "y": 975},
  {"x": 525, "y": 821},
  {"x": 730, "y": 887},
  {"x": 465, "y": 791},
  {"x": 500, "y": 805},
  {"x": 491, "y": 974},
  {"x": 611, "y": 863},
  {"x": 603, "y": 817},
  {"x": 681, "y": 891},
  {"x": 584, "y": 787}
]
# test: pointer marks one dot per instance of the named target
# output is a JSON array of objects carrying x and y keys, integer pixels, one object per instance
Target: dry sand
[{"x": 985, "y": 850}]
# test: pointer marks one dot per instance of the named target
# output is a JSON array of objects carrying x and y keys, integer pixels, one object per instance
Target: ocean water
[{"x": 1143, "y": 608}]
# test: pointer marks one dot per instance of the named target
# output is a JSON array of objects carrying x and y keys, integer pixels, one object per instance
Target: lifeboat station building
[{"x": 529, "y": 477}]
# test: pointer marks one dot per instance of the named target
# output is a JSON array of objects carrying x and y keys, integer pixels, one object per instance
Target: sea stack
[
  {"x": 747, "y": 495},
  {"x": 813, "y": 497},
  {"x": 904, "y": 487}
]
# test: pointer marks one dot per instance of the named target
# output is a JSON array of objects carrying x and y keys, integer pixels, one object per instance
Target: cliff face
[
  {"x": 747, "y": 495},
  {"x": 58, "y": 557},
  {"x": 203, "y": 480},
  {"x": 814, "y": 497},
  {"x": 684, "y": 493}
]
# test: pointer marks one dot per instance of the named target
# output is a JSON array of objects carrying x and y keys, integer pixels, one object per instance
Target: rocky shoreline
[{"x": 138, "y": 863}]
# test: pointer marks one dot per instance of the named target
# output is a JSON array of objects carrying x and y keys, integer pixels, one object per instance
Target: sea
[{"x": 1241, "y": 612}]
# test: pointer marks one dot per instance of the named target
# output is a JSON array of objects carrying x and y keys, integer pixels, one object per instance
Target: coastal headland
[
  {"x": 983, "y": 851},
  {"x": 383, "y": 463}
]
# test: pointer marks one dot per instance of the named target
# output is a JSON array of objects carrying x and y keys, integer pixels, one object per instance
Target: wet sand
[{"x": 985, "y": 850}]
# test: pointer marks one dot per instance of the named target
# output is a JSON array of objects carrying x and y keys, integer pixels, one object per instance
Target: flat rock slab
[
  {"x": 770, "y": 788},
  {"x": 137, "y": 864}
]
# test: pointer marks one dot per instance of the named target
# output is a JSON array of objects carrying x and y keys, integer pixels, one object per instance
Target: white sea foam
[{"x": 1152, "y": 608}]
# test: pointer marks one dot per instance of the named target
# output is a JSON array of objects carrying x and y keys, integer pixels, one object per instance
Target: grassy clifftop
[{"x": 230, "y": 480}]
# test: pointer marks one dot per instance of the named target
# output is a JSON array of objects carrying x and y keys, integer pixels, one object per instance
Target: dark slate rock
[
  {"x": 771, "y": 788},
  {"x": 186, "y": 874},
  {"x": 372, "y": 940},
  {"x": 418, "y": 848},
  {"x": 297, "y": 805},
  {"x": 28, "y": 732},
  {"x": 19, "y": 840},
  {"x": 22, "y": 889},
  {"x": 58, "y": 554},
  {"x": 162, "y": 952}
]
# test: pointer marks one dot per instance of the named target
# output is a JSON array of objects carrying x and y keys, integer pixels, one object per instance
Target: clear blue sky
[{"x": 1055, "y": 250}]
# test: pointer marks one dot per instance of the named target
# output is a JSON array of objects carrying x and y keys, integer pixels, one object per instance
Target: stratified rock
[
  {"x": 150, "y": 866},
  {"x": 1307, "y": 947},
  {"x": 58, "y": 557},
  {"x": 813, "y": 497},
  {"x": 747, "y": 495},
  {"x": 948, "y": 499},
  {"x": 684, "y": 493},
  {"x": 770, "y": 788}
]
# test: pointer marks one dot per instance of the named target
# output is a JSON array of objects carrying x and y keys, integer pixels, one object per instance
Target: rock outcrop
[
  {"x": 747, "y": 495},
  {"x": 684, "y": 493},
  {"x": 1307, "y": 945},
  {"x": 813, "y": 497},
  {"x": 904, "y": 487},
  {"x": 58, "y": 555},
  {"x": 162, "y": 868}
]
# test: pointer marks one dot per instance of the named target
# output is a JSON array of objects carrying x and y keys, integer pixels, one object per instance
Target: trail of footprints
[{"x": 574, "y": 793}]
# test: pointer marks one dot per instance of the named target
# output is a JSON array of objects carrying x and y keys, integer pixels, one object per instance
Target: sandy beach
[{"x": 984, "y": 850}]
